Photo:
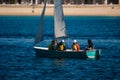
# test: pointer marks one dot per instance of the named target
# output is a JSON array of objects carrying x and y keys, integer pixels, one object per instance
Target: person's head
[
  {"x": 75, "y": 41},
  {"x": 89, "y": 41},
  {"x": 62, "y": 41},
  {"x": 52, "y": 41},
  {"x": 55, "y": 41}
]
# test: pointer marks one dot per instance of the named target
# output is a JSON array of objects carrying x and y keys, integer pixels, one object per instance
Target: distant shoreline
[{"x": 69, "y": 10}]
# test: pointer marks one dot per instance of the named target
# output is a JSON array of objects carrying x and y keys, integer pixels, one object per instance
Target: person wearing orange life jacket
[{"x": 75, "y": 46}]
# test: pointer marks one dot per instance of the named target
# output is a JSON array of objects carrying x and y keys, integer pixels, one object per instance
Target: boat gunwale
[{"x": 67, "y": 50}]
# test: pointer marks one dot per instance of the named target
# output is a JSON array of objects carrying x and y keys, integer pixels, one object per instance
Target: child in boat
[
  {"x": 61, "y": 46},
  {"x": 75, "y": 46},
  {"x": 90, "y": 45}
]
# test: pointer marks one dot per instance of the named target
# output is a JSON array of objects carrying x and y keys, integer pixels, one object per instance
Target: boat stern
[{"x": 95, "y": 53}]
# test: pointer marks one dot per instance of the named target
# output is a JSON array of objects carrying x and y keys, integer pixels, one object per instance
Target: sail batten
[
  {"x": 40, "y": 34},
  {"x": 59, "y": 23}
]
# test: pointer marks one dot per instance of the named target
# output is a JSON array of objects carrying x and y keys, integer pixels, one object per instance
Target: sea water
[{"x": 18, "y": 60}]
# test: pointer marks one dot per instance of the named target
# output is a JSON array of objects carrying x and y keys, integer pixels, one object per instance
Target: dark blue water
[{"x": 18, "y": 61}]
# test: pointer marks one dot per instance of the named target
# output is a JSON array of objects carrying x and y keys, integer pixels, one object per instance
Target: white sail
[
  {"x": 39, "y": 34},
  {"x": 59, "y": 24}
]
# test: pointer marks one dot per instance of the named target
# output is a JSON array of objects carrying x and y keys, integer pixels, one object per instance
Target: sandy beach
[{"x": 73, "y": 10}]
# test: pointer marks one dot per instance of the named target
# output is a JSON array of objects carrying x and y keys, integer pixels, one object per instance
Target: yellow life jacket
[
  {"x": 50, "y": 46},
  {"x": 61, "y": 47}
]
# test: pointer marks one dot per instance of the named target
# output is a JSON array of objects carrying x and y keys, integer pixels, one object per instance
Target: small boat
[
  {"x": 44, "y": 52},
  {"x": 59, "y": 32}
]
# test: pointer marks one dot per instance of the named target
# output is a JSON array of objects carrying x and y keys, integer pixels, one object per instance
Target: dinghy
[{"x": 59, "y": 32}]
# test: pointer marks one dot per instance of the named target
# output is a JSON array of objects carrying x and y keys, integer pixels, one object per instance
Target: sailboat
[{"x": 59, "y": 32}]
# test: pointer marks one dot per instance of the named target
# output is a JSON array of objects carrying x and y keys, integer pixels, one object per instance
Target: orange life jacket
[{"x": 76, "y": 47}]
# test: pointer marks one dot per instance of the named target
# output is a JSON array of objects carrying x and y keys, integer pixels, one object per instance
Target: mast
[{"x": 59, "y": 23}]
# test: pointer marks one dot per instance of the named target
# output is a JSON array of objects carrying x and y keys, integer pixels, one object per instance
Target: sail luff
[
  {"x": 39, "y": 34},
  {"x": 59, "y": 23}
]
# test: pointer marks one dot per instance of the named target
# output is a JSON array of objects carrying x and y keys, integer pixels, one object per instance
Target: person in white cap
[
  {"x": 75, "y": 46},
  {"x": 63, "y": 41},
  {"x": 75, "y": 41},
  {"x": 61, "y": 46}
]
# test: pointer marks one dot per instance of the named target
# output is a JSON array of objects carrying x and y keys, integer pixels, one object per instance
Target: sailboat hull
[{"x": 44, "y": 52}]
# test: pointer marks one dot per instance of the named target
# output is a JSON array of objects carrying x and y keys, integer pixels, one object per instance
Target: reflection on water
[{"x": 59, "y": 62}]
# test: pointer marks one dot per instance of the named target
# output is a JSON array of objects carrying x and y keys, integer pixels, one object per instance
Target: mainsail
[
  {"x": 39, "y": 34},
  {"x": 59, "y": 24}
]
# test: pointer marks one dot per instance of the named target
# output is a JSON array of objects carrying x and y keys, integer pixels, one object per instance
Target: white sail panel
[
  {"x": 39, "y": 34},
  {"x": 59, "y": 24}
]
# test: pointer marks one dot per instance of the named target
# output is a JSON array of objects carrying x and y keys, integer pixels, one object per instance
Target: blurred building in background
[{"x": 70, "y": 2}]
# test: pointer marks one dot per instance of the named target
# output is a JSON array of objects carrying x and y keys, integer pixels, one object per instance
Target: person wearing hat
[
  {"x": 75, "y": 46},
  {"x": 61, "y": 46}
]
